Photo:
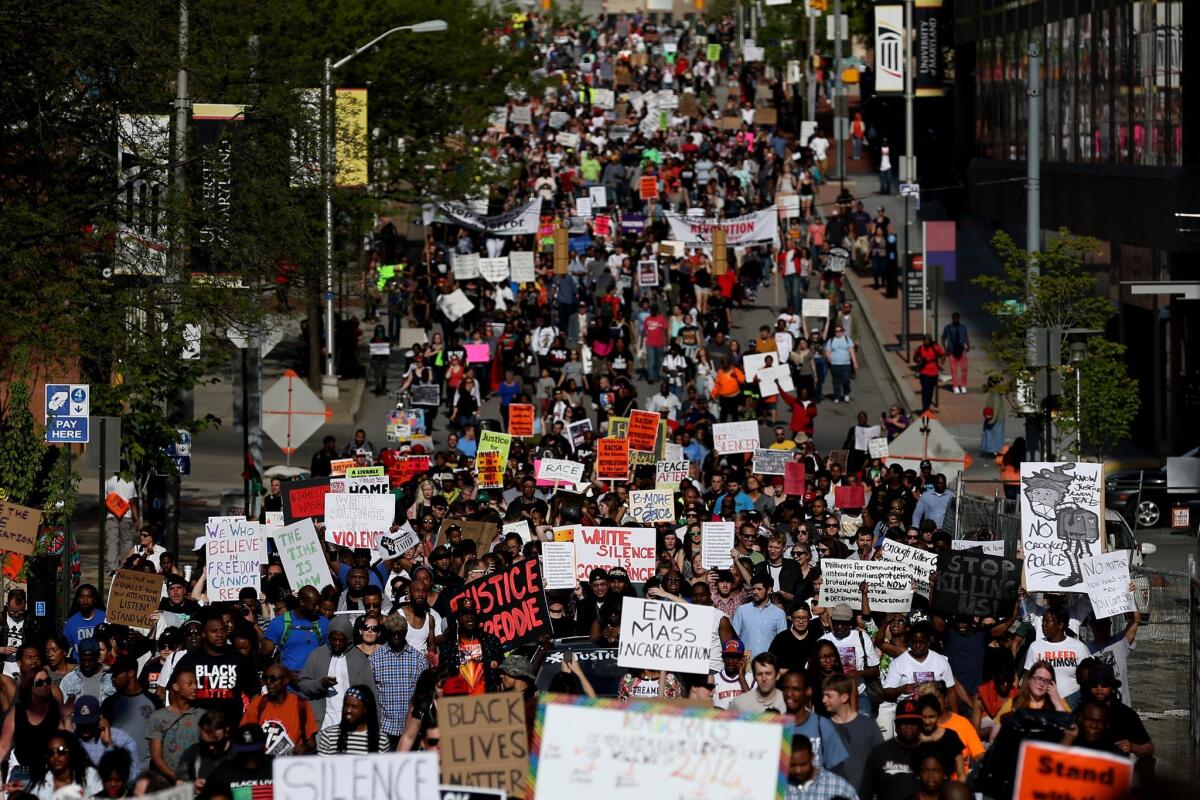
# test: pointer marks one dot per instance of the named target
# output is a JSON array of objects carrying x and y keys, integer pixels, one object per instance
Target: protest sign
[
  {"x": 379, "y": 348},
  {"x": 643, "y": 430},
  {"x": 365, "y": 472},
  {"x": 771, "y": 462},
  {"x": 558, "y": 119},
  {"x": 773, "y": 380},
  {"x": 511, "y": 603},
  {"x": 1106, "y": 577},
  {"x": 521, "y": 115},
  {"x": 494, "y": 270},
  {"x": 273, "y": 519},
  {"x": 673, "y": 451},
  {"x": 602, "y": 224},
  {"x": 612, "y": 458},
  {"x": 651, "y": 506},
  {"x": 783, "y": 345},
  {"x": 405, "y": 468},
  {"x": 303, "y": 557},
  {"x": 712, "y": 52},
  {"x": 583, "y": 206},
  {"x": 793, "y": 479},
  {"x": 425, "y": 394},
  {"x": 338, "y": 466},
  {"x": 634, "y": 751},
  {"x": 976, "y": 584},
  {"x": 688, "y": 107},
  {"x": 470, "y": 793},
  {"x": 520, "y": 419},
  {"x": 521, "y": 267},
  {"x": 753, "y": 363},
  {"x": 500, "y": 442},
  {"x": 466, "y": 266},
  {"x": 648, "y": 188},
  {"x": 853, "y": 496},
  {"x": 557, "y": 470},
  {"x": 558, "y": 565},
  {"x": 576, "y": 431},
  {"x": 1061, "y": 517},
  {"x": 645, "y": 458},
  {"x": 669, "y": 474},
  {"x": 477, "y": 353},
  {"x": 482, "y": 532},
  {"x": 598, "y": 196},
  {"x": 304, "y": 499},
  {"x": 383, "y": 776},
  {"x": 814, "y": 308},
  {"x": 735, "y": 437},
  {"x": 647, "y": 272},
  {"x": 671, "y": 636},
  {"x": 789, "y": 206},
  {"x": 889, "y": 586},
  {"x": 521, "y": 527},
  {"x": 489, "y": 473},
  {"x": 1046, "y": 770},
  {"x": 116, "y": 505},
  {"x": 994, "y": 547},
  {"x": 877, "y": 447},
  {"x": 133, "y": 596},
  {"x": 716, "y": 544},
  {"x": 18, "y": 528},
  {"x": 236, "y": 549},
  {"x": 455, "y": 305},
  {"x": 599, "y": 546},
  {"x": 918, "y": 562},
  {"x": 358, "y": 520},
  {"x": 840, "y": 458},
  {"x": 568, "y": 140},
  {"x": 369, "y": 484},
  {"x": 485, "y": 742}
]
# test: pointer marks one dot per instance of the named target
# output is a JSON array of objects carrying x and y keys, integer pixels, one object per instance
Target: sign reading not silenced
[
  {"x": 388, "y": 776},
  {"x": 736, "y": 437}
]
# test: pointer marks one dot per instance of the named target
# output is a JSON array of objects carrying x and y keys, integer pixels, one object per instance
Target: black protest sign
[
  {"x": 304, "y": 500},
  {"x": 511, "y": 603},
  {"x": 969, "y": 582}
]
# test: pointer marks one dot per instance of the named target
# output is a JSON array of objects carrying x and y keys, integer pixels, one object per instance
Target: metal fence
[{"x": 969, "y": 513}]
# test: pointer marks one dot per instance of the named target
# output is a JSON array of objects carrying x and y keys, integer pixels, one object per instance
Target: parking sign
[{"x": 67, "y": 409}]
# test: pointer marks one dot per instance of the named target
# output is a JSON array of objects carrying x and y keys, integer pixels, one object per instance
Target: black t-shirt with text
[{"x": 223, "y": 682}]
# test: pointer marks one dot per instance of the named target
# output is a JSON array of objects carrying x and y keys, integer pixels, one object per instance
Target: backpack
[{"x": 287, "y": 631}]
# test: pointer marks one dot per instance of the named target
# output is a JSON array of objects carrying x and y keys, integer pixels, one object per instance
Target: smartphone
[{"x": 569, "y": 657}]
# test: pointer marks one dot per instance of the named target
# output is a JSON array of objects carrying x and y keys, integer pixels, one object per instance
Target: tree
[{"x": 1063, "y": 296}]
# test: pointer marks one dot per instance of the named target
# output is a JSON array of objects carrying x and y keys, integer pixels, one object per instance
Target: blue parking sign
[{"x": 67, "y": 408}]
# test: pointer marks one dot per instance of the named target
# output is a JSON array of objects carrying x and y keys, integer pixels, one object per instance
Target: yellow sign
[{"x": 350, "y": 143}]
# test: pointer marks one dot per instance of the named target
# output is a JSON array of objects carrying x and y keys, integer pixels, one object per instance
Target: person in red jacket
[{"x": 804, "y": 411}]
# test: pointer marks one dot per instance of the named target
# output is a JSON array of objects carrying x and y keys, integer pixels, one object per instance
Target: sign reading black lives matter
[
  {"x": 511, "y": 602},
  {"x": 969, "y": 582},
  {"x": 660, "y": 635}
]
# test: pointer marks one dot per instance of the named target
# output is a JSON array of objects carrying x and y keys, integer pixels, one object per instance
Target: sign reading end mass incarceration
[
  {"x": 661, "y": 635},
  {"x": 511, "y": 602}
]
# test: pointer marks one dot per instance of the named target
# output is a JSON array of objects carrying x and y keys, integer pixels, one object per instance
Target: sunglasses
[
  {"x": 274, "y": 678},
  {"x": 432, "y": 742},
  {"x": 370, "y": 629},
  {"x": 61, "y": 750},
  {"x": 40, "y": 682}
]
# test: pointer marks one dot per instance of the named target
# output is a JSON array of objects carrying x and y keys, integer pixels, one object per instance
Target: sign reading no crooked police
[{"x": 67, "y": 409}]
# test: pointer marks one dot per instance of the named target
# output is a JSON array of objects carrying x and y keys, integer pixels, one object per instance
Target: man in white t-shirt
[
  {"x": 122, "y": 517},
  {"x": 820, "y": 148},
  {"x": 916, "y": 665},
  {"x": 1062, "y": 652},
  {"x": 856, "y": 650},
  {"x": 730, "y": 681}
]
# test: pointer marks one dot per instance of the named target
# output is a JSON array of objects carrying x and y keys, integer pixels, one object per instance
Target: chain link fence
[{"x": 969, "y": 514}]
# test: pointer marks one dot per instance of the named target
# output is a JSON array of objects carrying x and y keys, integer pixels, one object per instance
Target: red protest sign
[
  {"x": 793, "y": 478},
  {"x": 648, "y": 188},
  {"x": 602, "y": 225},
  {"x": 612, "y": 458},
  {"x": 850, "y": 496},
  {"x": 520, "y": 419},
  {"x": 511, "y": 602},
  {"x": 643, "y": 431}
]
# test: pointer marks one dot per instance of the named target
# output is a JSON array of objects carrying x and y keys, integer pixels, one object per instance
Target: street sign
[
  {"x": 268, "y": 337},
  {"x": 181, "y": 452},
  {"x": 910, "y": 189},
  {"x": 914, "y": 281},
  {"x": 291, "y": 412},
  {"x": 67, "y": 408}
]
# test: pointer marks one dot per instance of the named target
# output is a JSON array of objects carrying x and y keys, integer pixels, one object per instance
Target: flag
[{"x": 250, "y": 473}]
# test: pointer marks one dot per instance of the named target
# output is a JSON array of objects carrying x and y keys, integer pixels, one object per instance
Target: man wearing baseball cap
[
  {"x": 731, "y": 681},
  {"x": 248, "y": 774},
  {"x": 888, "y": 775}
]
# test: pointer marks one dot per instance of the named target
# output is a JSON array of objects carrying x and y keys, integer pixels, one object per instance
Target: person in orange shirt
[
  {"x": 282, "y": 714},
  {"x": 727, "y": 388}
]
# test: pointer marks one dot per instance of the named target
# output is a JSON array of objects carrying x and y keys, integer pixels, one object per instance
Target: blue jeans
[
  {"x": 793, "y": 286},
  {"x": 841, "y": 380},
  {"x": 885, "y": 181},
  {"x": 821, "y": 368},
  {"x": 856, "y": 143},
  {"x": 654, "y": 359}
]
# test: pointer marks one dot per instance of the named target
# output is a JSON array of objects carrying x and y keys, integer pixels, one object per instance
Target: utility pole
[
  {"x": 908, "y": 162},
  {"x": 1033, "y": 227},
  {"x": 839, "y": 101},
  {"x": 812, "y": 69},
  {"x": 329, "y": 385}
]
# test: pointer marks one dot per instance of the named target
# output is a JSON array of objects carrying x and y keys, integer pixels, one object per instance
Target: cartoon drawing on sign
[{"x": 1060, "y": 521}]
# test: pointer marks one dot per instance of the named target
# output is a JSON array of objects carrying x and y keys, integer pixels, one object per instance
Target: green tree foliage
[
  {"x": 1108, "y": 399},
  {"x": 21, "y": 448}
]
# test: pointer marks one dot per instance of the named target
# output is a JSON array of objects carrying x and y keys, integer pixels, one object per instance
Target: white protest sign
[
  {"x": 379, "y": 348},
  {"x": 466, "y": 266},
  {"x": 387, "y": 776},
  {"x": 752, "y": 363},
  {"x": 863, "y": 434},
  {"x": 603, "y": 98},
  {"x": 716, "y": 543},
  {"x": 783, "y": 345},
  {"x": 598, "y": 196},
  {"x": 235, "y": 548},
  {"x": 1107, "y": 579},
  {"x": 558, "y": 119},
  {"x": 368, "y": 484},
  {"x": 455, "y": 305},
  {"x": 498, "y": 119},
  {"x": 558, "y": 565},
  {"x": 273, "y": 519},
  {"x": 918, "y": 562},
  {"x": 559, "y": 470},
  {"x": 607, "y": 547},
  {"x": 814, "y": 308},
  {"x": 302, "y": 555},
  {"x": 668, "y": 99},
  {"x": 669, "y": 474},
  {"x": 1061, "y": 521},
  {"x": 878, "y": 447},
  {"x": 358, "y": 520},
  {"x": 994, "y": 547},
  {"x": 520, "y": 262},
  {"x": 771, "y": 462},
  {"x": 775, "y": 379},
  {"x": 521, "y": 115},
  {"x": 789, "y": 206},
  {"x": 583, "y": 206},
  {"x": 520, "y": 528},
  {"x": 664, "y": 635},
  {"x": 394, "y": 545},
  {"x": 673, "y": 451},
  {"x": 568, "y": 140},
  {"x": 651, "y": 506},
  {"x": 889, "y": 585},
  {"x": 736, "y": 437},
  {"x": 494, "y": 270}
]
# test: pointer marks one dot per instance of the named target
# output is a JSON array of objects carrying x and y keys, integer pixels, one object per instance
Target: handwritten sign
[
  {"x": 993, "y": 547},
  {"x": 1107, "y": 580},
  {"x": 511, "y": 602},
  {"x": 466, "y": 266},
  {"x": 489, "y": 469},
  {"x": 648, "y": 187},
  {"x": 671, "y": 636},
  {"x": 485, "y": 742},
  {"x": 494, "y": 270},
  {"x": 599, "y": 546},
  {"x": 521, "y": 265},
  {"x": 19, "y": 528},
  {"x": 643, "y": 430},
  {"x": 651, "y": 506},
  {"x": 612, "y": 458},
  {"x": 877, "y": 447},
  {"x": 853, "y": 496},
  {"x": 736, "y": 437},
  {"x": 814, "y": 308},
  {"x": 358, "y": 520},
  {"x": 888, "y": 585},
  {"x": 771, "y": 462},
  {"x": 773, "y": 380},
  {"x": 386, "y": 776},
  {"x": 520, "y": 419},
  {"x": 305, "y": 499},
  {"x": 793, "y": 479},
  {"x": 558, "y": 470},
  {"x": 918, "y": 562},
  {"x": 236, "y": 549},
  {"x": 716, "y": 545},
  {"x": 669, "y": 474},
  {"x": 500, "y": 442},
  {"x": 133, "y": 596},
  {"x": 302, "y": 555},
  {"x": 558, "y": 565},
  {"x": 1061, "y": 520},
  {"x": 1054, "y": 770},
  {"x": 973, "y": 583}
]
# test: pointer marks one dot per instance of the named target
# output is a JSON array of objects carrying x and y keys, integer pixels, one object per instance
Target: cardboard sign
[
  {"x": 236, "y": 549},
  {"x": 889, "y": 587},
  {"x": 670, "y": 636},
  {"x": 521, "y": 266},
  {"x": 648, "y": 187},
  {"x": 652, "y": 506},
  {"x": 557, "y": 470},
  {"x": 920, "y": 563},
  {"x": 489, "y": 470},
  {"x": 485, "y": 743},
  {"x": 1052, "y": 770},
  {"x": 631, "y": 548},
  {"x": 840, "y": 458},
  {"x": 19, "y": 528},
  {"x": 511, "y": 602},
  {"x": 716, "y": 544},
  {"x": 643, "y": 430},
  {"x": 1061, "y": 513},
  {"x": 133, "y": 596},
  {"x": 854, "y": 496},
  {"x": 970, "y": 582},
  {"x": 481, "y": 532},
  {"x": 771, "y": 462},
  {"x": 358, "y": 520},
  {"x": 669, "y": 474},
  {"x": 793, "y": 479},
  {"x": 500, "y": 442},
  {"x": 612, "y": 458},
  {"x": 1107, "y": 580},
  {"x": 877, "y": 447},
  {"x": 117, "y": 506},
  {"x": 558, "y": 565},
  {"x": 302, "y": 555},
  {"x": 412, "y": 776},
  {"x": 736, "y": 437},
  {"x": 520, "y": 419}
]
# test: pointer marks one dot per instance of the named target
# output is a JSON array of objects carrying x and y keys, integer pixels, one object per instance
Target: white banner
[
  {"x": 494, "y": 270},
  {"x": 889, "y": 586},
  {"x": 236, "y": 549},
  {"x": 657, "y": 634},
  {"x": 303, "y": 557},
  {"x": 608, "y": 547},
  {"x": 1061, "y": 520},
  {"x": 736, "y": 437},
  {"x": 761, "y": 226},
  {"x": 1107, "y": 579},
  {"x": 651, "y": 506},
  {"x": 889, "y": 48},
  {"x": 716, "y": 544},
  {"x": 412, "y": 776},
  {"x": 521, "y": 221},
  {"x": 358, "y": 520},
  {"x": 558, "y": 565},
  {"x": 918, "y": 562}
]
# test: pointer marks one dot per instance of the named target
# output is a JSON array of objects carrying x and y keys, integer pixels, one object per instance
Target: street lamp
[
  {"x": 1078, "y": 354},
  {"x": 329, "y": 383}
]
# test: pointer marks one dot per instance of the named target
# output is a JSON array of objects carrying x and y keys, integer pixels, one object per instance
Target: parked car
[
  {"x": 1119, "y": 536},
  {"x": 1142, "y": 496}
]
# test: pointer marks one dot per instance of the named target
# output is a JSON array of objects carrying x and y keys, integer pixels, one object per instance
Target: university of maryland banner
[
  {"x": 761, "y": 226},
  {"x": 216, "y": 130}
]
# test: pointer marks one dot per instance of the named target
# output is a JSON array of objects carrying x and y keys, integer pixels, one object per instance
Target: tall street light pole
[{"x": 329, "y": 382}]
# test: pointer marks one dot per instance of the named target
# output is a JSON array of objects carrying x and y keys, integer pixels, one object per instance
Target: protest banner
[
  {"x": 634, "y": 751},
  {"x": 303, "y": 557},
  {"x": 920, "y": 563},
  {"x": 304, "y": 499},
  {"x": 369, "y": 484},
  {"x": 358, "y": 520},
  {"x": 669, "y": 474},
  {"x": 18, "y": 528},
  {"x": 643, "y": 430},
  {"x": 482, "y": 532},
  {"x": 553, "y": 471},
  {"x": 735, "y": 437},
  {"x": 382, "y": 776},
  {"x": 558, "y": 565},
  {"x": 771, "y": 462},
  {"x": 612, "y": 458},
  {"x": 889, "y": 586},
  {"x": 500, "y": 442},
  {"x": 236, "y": 549},
  {"x": 521, "y": 266},
  {"x": 365, "y": 472},
  {"x": 511, "y": 603},
  {"x": 671, "y": 636},
  {"x": 599, "y": 546},
  {"x": 132, "y": 597},
  {"x": 1061, "y": 520},
  {"x": 1046, "y": 770},
  {"x": 485, "y": 741},
  {"x": 994, "y": 547},
  {"x": 1106, "y": 577},
  {"x": 793, "y": 479},
  {"x": 716, "y": 544},
  {"x": 853, "y": 496},
  {"x": 648, "y": 188},
  {"x": 489, "y": 474},
  {"x": 878, "y": 447},
  {"x": 651, "y": 506},
  {"x": 976, "y": 584},
  {"x": 520, "y": 419}
]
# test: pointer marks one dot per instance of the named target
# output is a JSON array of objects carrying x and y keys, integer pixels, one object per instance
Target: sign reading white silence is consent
[
  {"x": 657, "y": 634},
  {"x": 604, "y": 547}
]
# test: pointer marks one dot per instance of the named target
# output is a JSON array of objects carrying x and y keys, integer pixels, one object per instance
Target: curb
[{"x": 895, "y": 377}]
